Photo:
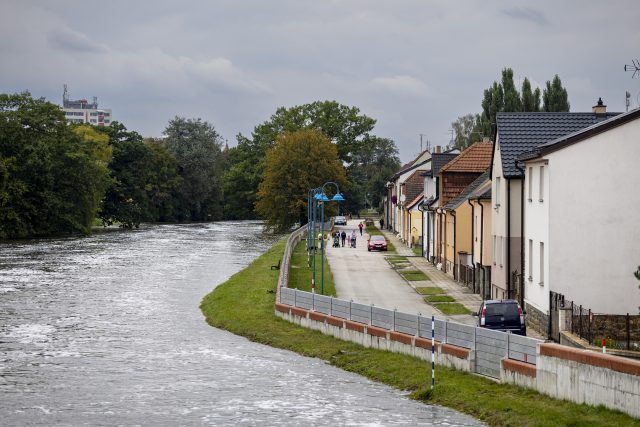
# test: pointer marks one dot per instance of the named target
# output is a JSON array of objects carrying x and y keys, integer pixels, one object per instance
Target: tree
[
  {"x": 196, "y": 146},
  {"x": 52, "y": 175},
  {"x": 345, "y": 126},
  {"x": 512, "y": 101},
  {"x": 530, "y": 100},
  {"x": 503, "y": 97},
  {"x": 555, "y": 97},
  {"x": 468, "y": 129},
  {"x": 241, "y": 178},
  {"x": 373, "y": 164},
  {"x": 145, "y": 181},
  {"x": 298, "y": 162}
]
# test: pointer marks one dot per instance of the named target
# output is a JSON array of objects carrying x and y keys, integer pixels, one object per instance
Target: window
[
  {"x": 477, "y": 230},
  {"x": 497, "y": 202},
  {"x": 529, "y": 178},
  {"x": 494, "y": 250},
  {"x": 541, "y": 263},
  {"x": 530, "y": 260},
  {"x": 541, "y": 184},
  {"x": 500, "y": 250}
]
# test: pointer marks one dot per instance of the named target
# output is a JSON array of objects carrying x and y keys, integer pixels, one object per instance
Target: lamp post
[{"x": 319, "y": 196}]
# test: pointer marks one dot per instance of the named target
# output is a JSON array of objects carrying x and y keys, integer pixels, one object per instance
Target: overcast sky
[{"x": 414, "y": 66}]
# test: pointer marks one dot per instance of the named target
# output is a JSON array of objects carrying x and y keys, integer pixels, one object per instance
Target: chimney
[
  {"x": 600, "y": 108},
  {"x": 438, "y": 149}
]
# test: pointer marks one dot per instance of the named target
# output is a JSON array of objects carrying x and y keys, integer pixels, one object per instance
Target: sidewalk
[{"x": 461, "y": 293}]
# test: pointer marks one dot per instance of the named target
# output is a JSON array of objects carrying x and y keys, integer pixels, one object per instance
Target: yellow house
[
  {"x": 459, "y": 217},
  {"x": 414, "y": 221},
  {"x": 458, "y": 240},
  {"x": 458, "y": 179},
  {"x": 412, "y": 193},
  {"x": 480, "y": 200}
]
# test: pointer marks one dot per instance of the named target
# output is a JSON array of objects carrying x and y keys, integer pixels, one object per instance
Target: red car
[{"x": 377, "y": 242}]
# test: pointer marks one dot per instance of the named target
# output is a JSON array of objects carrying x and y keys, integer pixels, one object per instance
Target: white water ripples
[{"x": 107, "y": 330}]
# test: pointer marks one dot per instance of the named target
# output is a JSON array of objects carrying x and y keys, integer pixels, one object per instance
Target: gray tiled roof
[
  {"x": 462, "y": 198},
  {"x": 438, "y": 160},
  {"x": 519, "y": 133}
]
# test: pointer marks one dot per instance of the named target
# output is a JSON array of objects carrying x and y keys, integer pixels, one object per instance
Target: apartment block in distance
[{"x": 83, "y": 111}]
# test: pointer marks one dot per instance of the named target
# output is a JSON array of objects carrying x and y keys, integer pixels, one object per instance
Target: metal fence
[
  {"x": 490, "y": 346},
  {"x": 619, "y": 331}
]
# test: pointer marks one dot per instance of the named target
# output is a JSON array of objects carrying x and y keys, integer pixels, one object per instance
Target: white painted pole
[{"x": 433, "y": 351}]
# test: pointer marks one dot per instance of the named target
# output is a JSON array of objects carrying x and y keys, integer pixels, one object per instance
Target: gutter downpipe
[
  {"x": 442, "y": 240},
  {"x": 482, "y": 245},
  {"x": 422, "y": 226},
  {"x": 428, "y": 233},
  {"x": 473, "y": 246},
  {"x": 508, "y": 238},
  {"x": 453, "y": 212},
  {"x": 521, "y": 234}
]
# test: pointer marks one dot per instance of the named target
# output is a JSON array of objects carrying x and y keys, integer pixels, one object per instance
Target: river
[{"x": 106, "y": 330}]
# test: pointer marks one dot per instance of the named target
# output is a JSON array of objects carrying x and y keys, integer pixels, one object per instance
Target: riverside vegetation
[{"x": 244, "y": 305}]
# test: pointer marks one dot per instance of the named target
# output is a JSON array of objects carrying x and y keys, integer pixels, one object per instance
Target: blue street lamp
[{"x": 318, "y": 196}]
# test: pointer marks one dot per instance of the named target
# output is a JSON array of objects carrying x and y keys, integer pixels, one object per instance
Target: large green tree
[
  {"x": 298, "y": 162},
  {"x": 145, "y": 182},
  {"x": 372, "y": 166},
  {"x": 52, "y": 175},
  {"x": 197, "y": 148},
  {"x": 345, "y": 126}
]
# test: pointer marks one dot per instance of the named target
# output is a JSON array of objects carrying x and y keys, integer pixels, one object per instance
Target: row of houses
[{"x": 550, "y": 206}]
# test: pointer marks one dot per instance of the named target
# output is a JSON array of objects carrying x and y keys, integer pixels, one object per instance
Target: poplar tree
[{"x": 555, "y": 97}]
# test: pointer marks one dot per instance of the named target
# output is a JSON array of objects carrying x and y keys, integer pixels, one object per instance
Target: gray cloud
[
  {"x": 527, "y": 14},
  {"x": 414, "y": 66},
  {"x": 69, "y": 40}
]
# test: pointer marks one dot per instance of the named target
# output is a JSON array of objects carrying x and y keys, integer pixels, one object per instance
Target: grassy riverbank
[{"x": 244, "y": 305}]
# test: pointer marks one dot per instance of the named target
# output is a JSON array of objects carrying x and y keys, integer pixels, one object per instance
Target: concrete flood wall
[
  {"x": 584, "y": 376},
  {"x": 562, "y": 372},
  {"x": 371, "y": 336}
]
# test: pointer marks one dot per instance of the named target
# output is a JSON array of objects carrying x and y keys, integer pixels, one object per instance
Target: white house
[
  {"x": 582, "y": 231},
  {"x": 518, "y": 133}
]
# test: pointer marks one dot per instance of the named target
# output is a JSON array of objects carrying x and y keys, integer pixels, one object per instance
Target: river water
[{"x": 106, "y": 330}]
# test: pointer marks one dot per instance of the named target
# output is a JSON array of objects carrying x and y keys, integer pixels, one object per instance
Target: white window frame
[
  {"x": 541, "y": 189},
  {"x": 495, "y": 249},
  {"x": 530, "y": 182},
  {"x": 530, "y": 257},
  {"x": 541, "y": 282}
]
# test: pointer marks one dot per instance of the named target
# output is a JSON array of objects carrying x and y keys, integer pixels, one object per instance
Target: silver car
[{"x": 340, "y": 220}]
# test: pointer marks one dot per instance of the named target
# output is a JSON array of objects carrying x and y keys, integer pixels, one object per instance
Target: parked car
[
  {"x": 502, "y": 315},
  {"x": 377, "y": 242},
  {"x": 340, "y": 220}
]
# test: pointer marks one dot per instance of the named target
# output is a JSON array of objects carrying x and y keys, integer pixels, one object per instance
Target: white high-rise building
[{"x": 81, "y": 111}]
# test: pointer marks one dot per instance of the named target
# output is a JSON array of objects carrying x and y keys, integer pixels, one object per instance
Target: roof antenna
[{"x": 635, "y": 67}]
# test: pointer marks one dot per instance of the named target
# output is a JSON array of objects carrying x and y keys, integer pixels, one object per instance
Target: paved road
[{"x": 367, "y": 278}]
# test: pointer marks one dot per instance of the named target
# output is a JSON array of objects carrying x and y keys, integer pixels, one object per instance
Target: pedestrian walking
[
  {"x": 353, "y": 239},
  {"x": 361, "y": 226},
  {"x": 381, "y": 223},
  {"x": 343, "y": 236}
]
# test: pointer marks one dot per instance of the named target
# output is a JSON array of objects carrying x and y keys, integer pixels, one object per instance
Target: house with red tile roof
[{"x": 455, "y": 177}]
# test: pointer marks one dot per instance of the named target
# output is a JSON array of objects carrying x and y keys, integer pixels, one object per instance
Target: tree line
[
  {"x": 61, "y": 178},
  {"x": 503, "y": 96},
  {"x": 58, "y": 178}
]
